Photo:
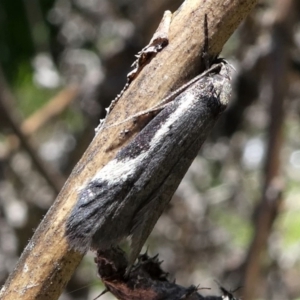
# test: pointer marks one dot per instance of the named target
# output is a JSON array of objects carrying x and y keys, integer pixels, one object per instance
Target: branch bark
[{"x": 47, "y": 263}]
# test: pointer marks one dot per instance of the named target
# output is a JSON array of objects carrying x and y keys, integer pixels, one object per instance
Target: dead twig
[{"x": 146, "y": 281}]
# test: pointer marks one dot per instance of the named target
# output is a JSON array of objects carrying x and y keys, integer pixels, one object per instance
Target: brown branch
[
  {"x": 47, "y": 263},
  {"x": 273, "y": 186}
]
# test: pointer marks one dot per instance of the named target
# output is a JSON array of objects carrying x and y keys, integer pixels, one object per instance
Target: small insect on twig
[{"x": 128, "y": 195}]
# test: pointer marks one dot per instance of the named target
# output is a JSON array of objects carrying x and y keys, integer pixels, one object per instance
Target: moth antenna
[
  {"x": 104, "y": 292},
  {"x": 205, "y": 55}
]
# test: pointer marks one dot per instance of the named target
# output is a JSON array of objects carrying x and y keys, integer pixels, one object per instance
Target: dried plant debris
[{"x": 146, "y": 280}]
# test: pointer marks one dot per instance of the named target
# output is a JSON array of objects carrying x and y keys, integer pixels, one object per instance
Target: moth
[{"x": 128, "y": 195}]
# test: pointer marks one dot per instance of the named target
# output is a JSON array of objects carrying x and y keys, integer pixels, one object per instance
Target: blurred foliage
[
  {"x": 47, "y": 46},
  {"x": 29, "y": 96}
]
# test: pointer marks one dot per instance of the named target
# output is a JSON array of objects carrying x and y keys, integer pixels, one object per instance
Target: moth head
[{"x": 222, "y": 84}]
